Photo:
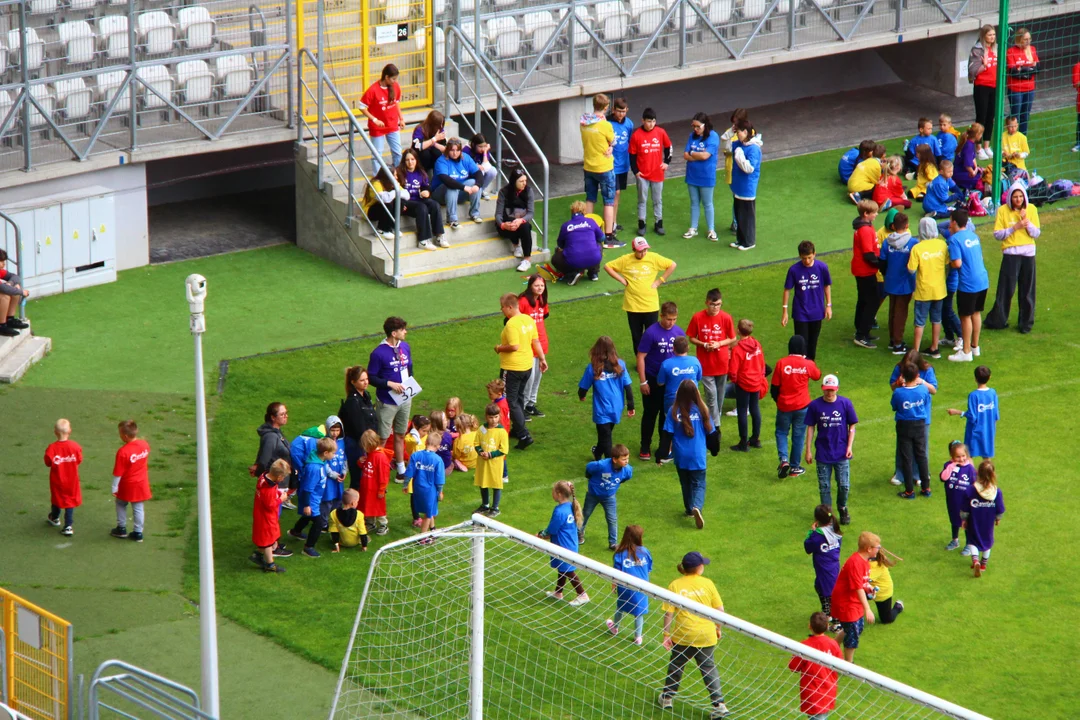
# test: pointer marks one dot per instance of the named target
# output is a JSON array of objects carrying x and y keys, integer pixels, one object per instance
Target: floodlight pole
[{"x": 196, "y": 295}]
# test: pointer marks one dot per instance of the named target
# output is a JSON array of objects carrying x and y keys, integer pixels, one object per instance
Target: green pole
[{"x": 1003, "y": 33}]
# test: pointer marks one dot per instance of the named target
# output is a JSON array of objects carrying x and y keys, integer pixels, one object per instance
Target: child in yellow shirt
[
  {"x": 928, "y": 170},
  {"x": 1014, "y": 144},
  {"x": 866, "y": 175},
  {"x": 465, "y": 445},
  {"x": 347, "y": 527},
  {"x": 492, "y": 446}
]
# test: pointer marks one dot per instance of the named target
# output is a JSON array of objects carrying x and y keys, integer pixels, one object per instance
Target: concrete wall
[
  {"x": 128, "y": 184},
  {"x": 193, "y": 177},
  {"x": 938, "y": 63}
]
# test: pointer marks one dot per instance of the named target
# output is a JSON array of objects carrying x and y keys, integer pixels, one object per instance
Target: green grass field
[{"x": 960, "y": 638}]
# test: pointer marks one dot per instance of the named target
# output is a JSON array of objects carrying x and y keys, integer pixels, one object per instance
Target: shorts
[
  {"x": 852, "y": 631},
  {"x": 11, "y": 285},
  {"x": 604, "y": 183},
  {"x": 970, "y": 303},
  {"x": 393, "y": 417},
  {"x": 922, "y": 307},
  {"x": 620, "y": 180}
]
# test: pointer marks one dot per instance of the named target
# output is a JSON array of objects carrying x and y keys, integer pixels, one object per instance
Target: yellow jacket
[
  {"x": 865, "y": 176},
  {"x": 1007, "y": 217}
]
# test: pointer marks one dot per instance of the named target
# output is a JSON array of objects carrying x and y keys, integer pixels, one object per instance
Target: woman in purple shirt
[
  {"x": 429, "y": 140},
  {"x": 579, "y": 246},
  {"x": 966, "y": 173},
  {"x": 411, "y": 176}
]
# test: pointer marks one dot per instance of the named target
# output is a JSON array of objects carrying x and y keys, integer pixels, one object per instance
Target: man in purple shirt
[
  {"x": 810, "y": 280},
  {"x": 833, "y": 418},
  {"x": 657, "y": 344},
  {"x": 389, "y": 366}
]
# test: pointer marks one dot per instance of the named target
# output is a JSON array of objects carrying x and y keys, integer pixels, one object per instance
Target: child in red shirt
[
  {"x": 849, "y": 598},
  {"x": 889, "y": 192},
  {"x": 791, "y": 391},
  {"x": 265, "y": 522},
  {"x": 1076, "y": 85},
  {"x": 63, "y": 458},
  {"x": 747, "y": 371},
  {"x": 817, "y": 683},
  {"x": 131, "y": 481},
  {"x": 650, "y": 154},
  {"x": 713, "y": 332},
  {"x": 864, "y": 266},
  {"x": 374, "y": 477}
]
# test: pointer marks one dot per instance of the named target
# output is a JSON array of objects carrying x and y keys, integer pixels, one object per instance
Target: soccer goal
[{"x": 462, "y": 629}]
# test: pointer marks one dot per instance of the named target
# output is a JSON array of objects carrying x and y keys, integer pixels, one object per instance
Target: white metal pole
[
  {"x": 196, "y": 294},
  {"x": 476, "y": 626}
]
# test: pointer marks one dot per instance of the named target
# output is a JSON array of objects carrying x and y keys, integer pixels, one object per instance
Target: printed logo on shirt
[
  {"x": 698, "y": 594},
  {"x": 927, "y": 255},
  {"x": 911, "y": 404},
  {"x": 751, "y": 356},
  {"x": 682, "y": 371},
  {"x": 789, "y": 370},
  {"x": 59, "y": 459},
  {"x": 971, "y": 242},
  {"x": 830, "y": 421},
  {"x": 628, "y": 563},
  {"x": 983, "y": 407},
  {"x": 829, "y": 546},
  {"x": 984, "y": 503},
  {"x": 136, "y": 457},
  {"x": 424, "y": 467},
  {"x": 570, "y": 519}
]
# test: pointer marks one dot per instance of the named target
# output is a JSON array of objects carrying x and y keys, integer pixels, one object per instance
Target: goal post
[{"x": 463, "y": 628}]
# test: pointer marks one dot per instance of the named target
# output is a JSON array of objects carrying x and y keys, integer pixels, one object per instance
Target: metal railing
[
  {"x": 531, "y": 44},
  {"x": 458, "y": 42},
  {"x": 154, "y": 695},
  {"x": 325, "y": 128}
]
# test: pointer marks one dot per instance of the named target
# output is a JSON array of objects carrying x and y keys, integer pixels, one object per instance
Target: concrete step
[
  {"x": 19, "y": 354},
  {"x": 502, "y": 262}
]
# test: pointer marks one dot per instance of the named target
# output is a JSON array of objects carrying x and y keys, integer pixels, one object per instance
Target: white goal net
[{"x": 463, "y": 629}]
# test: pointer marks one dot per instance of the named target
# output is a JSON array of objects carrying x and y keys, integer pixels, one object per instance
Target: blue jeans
[
  {"x": 701, "y": 197},
  {"x": 602, "y": 183},
  {"x": 489, "y": 179},
  {"x": 1020, "y": 106},
  {"x": 949, "y": 319},
  {"x": 928, "y": 307},
  {"x": 394, "y": 140},
  {"x": 639, "y": 622},
  {"x": 610, "y": 514},
  {"x": 843, "y": 482},
  {"x": 693, "y": 488},
  {"x": 450, "y": 197},
  {"x": 791, "y": 420},
  {"x": 915, "y": 467}
]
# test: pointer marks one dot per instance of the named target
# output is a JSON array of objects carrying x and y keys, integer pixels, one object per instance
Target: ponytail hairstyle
[
  {"x": 272, "y": 411},
  {"x": 631, "y": 541},
  {"x": 438, "y": 421},
  {"x": 686, "y": 397},
  {"x": 884, "y": 557},
  {"x": 823, "y": 515},
  {"x": 987, "y": 474},
  {"x": 565, "y": 489},
  {"x": 926, "y": 159},
  {"x": 352, "y": 374},
  {"x": 603, "y": 357},
  {"x": 707, "y": 124}
]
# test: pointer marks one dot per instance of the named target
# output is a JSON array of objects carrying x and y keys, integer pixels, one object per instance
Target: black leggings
[
  {"x": 985, "y": 100},
  {"x": 866, "y": 305},
  {"x": 381, "y": 218},
  {"x": 603, "y": 440},
  {"x": 496, "y": 497},
  {"x": 747, "y": 402},
  {"x": 746, "y": 217},
  {"x": 575, "y": 582},
  {"x": 639, "y": 323},
  {"x": 522, "y": 236},
  {"x": 887, "y": 611},
  {"x": 809, "y": 329},
  {"x": 651, "y": 407},
  {"x": 318, "y": 525},
  {"x": 826, "y": 604}
]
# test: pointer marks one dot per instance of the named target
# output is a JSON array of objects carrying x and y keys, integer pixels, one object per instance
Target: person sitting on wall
[{"x": 11, "y": 295}]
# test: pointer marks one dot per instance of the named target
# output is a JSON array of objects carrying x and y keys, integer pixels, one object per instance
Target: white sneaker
[
  {"x": 389, "y": 234},
  {"x": 427, "y": 245},
  {"x": 712, "y": 236},
  {"x": 895, "y": 481},
  {"x": 989, "y": 153},
  {"x": 666, "y": 702},
  {"x": 909, "y": 176},
  {"x": 977, "y": 352},
  {"x": 966, "y": 552},
  {"x": 442, "y": 242},
  {"x": 981, "y": 154},
  {"x": 488, "y": 196},
  {"x": 718, "y": 711},
  {"x": 580, "y": 600},
  {"x": 961, "y": 356},
  {"x": 1076, "y": 148},
  {"x": 517, "y": 252},
  {"x": 692, "y": 232},
  {"x": 524, "y": 266},
  {"x": 732, "y": 413},
  {"x": 959, "y": 344}
]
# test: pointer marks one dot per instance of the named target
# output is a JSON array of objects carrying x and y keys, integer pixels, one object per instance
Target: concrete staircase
[
  {"x": 18, "y": 354},
  {"x": 321, "y": 229}
]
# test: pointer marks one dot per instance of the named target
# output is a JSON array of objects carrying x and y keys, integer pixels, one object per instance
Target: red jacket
[
  {"x": 793, "y": 375},
  {"x": 265, "y": 529},
  {"x": 374, "y": 479},
  {"x": 63, "y": 458},
  {"x": 865, "y": 242},
  {"x": 817, "y": 684},
  {"x": 1014, "y": 60},
  {"x": 747, "y": 367}
]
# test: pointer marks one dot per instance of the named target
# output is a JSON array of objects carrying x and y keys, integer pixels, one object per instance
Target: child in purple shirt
[
  {"x": 479, "y": 149},
  {"x": 411, "y": 176},
  {"x": 833, "y": 418},
  {"x": 982, "y": 510},
  {"x": 958, "y": 474},
  {"x": 810, "y": 280},
  {"x": 823, "y": 544},
  {"x": 657, "y": 344}
]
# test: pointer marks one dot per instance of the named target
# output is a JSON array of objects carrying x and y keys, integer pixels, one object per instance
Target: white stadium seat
[
  {"x": 107, "y": 86},
  {"x": 440, "y": 47},
  {"x": 397, "y": 10},
  {"x": 468, "y": 29},
  {"x": 73, "y": 98},
  {"x": 157, "y": 77},
  {"x": 579, "y": 34},
  {"x": 47, "y": 100},
  {"x": 691, "y": 16},
  {"x": 82, "y": 4},
  {"x": 112, "y": 31},
  {"x": 539, "y": 26},
  {"x": 720, "y": 11},
  {"x": 35, "y": 48},
  {"x": 39, "y": 7},
  {"x": 194, "y": 81},
  {"x": 613, "y": 19},
  {"x": 156, "y": 32},
  {"x": 78, "y": 40},
  {"x": 5, "y": 107},
  {"x": 196, "y": 27},
  {"x": 647, "y": 15},
  {"x": 235, "y": 75},
  {"x": 506, "y": 36}
]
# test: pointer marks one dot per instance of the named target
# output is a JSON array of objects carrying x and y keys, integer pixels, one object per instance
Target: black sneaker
[
  {"x": 14, "y": 322},
  {"x": 273, "y": 568},
  {"x": 754, "y": 444},
  {"x": 6, "y": 331},
  {"x": 482, "y": 510},
  {"x": 740, "y": 448},
  {"x": 494, "y": 512},
  {"x": 593, "y": 277},
  {"x": 119, "y": 532},
  {"x": 618, "y": 227},
  {"x": 640, "y": 227},
  {"x": 845, "y": 519},
  {"x": 905, "y": 495},
  {"x": 611, "y": 242},
  {"x": 257, "y": 558},
  {"x": 900, "y": 349},
  {"x": 658, "y": 228},
  {"x": 926, "y": 493},
  {"x": 595, "y": 454},
  {"x": 613, "y": 547},
  {"x": 297, "y": 534},
  {"x": 312, "y": 552},
  {"x": 783, "y": 469},
  {"x": 54, "y": 521},
  {"x": 282, "y": 551},
  {"x": 573, "y": 279},
  {"x": 533, "y": 410},
  {"x": 796, "y": 471},
  {"x": 932, "y": 353},
  {"x": 865, "y": 343},
  {"x": 136, "y": 536},
  {"x": 524, "y": 442}
]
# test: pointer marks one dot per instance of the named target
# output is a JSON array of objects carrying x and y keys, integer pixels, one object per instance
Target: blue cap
[{"x": 692, "y": 559}]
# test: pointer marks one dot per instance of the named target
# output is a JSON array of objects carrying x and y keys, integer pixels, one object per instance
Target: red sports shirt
[
  {"x": 1014, "y": 59},
  {"x": 648, "y": 149},
  {"x": 63, "y": 458},
  {"x": 793, "y": 375},
  {"x": 538, "y": 314},
  {"x": 130, "y": 467},
  {"x": 855, "y": 575},
  {"x": 865, "y": 241},
  {"x": 265, "y": 527},
  {"x": 817, "y": 684},
  {"x": 712, "y": 328},
  {"x": 378, "y": 103}
]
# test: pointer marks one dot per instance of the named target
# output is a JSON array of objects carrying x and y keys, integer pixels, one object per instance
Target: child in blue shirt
[
  {"x": 958, "y": 474},
  {"x": 928, "y": 377},
  {"x": 942, "y": 193},
  {"x": 428, "y": 475},
  {"x": 336, "y": 468},
  {"x": 607, "y": 376},
  {"x": 947, "y": 141},
  {"x": 309, "y": 497},
  {"x": 899, "y": 283},
  {"x": 623, "y": 127},
  {"x": 605, "y": 477},
  {"x": 911, "y": 402},
  {"x": 822, "y": 543},
  {"x": 562, "y": 530},
  {"x": 925, "y": 136},
  {"x": 981, "y": 415},
  {"x": 633, "y": 558},
  {"x": 673, "y": 370}
]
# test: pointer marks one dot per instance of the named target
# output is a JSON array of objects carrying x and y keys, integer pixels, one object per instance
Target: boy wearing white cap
[{"x": 833, "y": 418}]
